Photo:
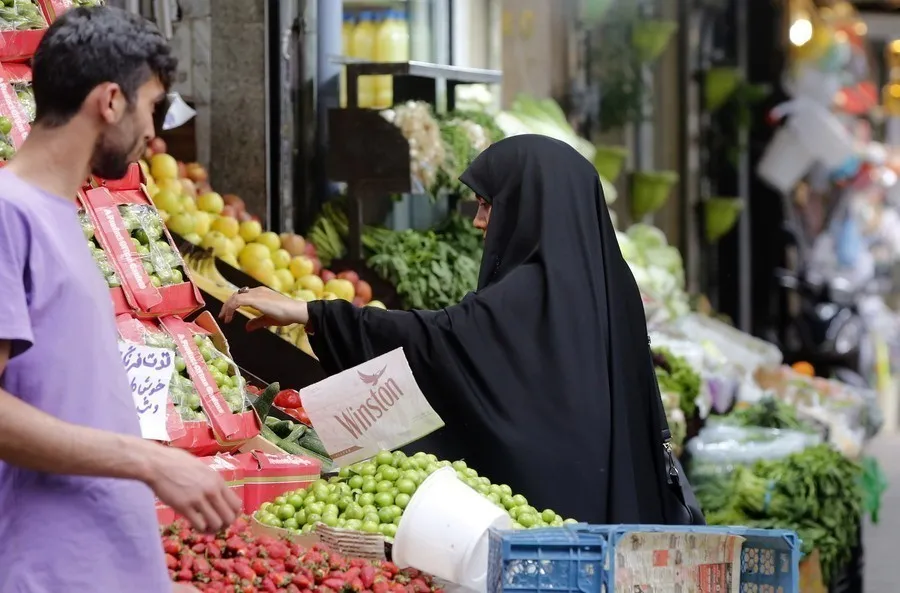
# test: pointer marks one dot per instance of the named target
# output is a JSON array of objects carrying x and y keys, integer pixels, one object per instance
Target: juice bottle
[
  {"x": 347, "y": 51},
  {"x": 364, "y": 49},
  {"x": 391, "y": 45}
]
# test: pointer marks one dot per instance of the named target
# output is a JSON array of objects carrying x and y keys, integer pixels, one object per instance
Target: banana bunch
[{"x": 207, "y": 277}]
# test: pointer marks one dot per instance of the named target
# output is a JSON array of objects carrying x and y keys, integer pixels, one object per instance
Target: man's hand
[{"x": 192, "y": 489}]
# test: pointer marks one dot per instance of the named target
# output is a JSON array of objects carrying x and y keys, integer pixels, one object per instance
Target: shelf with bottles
[{"x": 374, "y": 36}]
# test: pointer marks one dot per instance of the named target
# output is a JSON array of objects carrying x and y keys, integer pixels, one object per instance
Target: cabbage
[
  {"x": 629, "y": 250},
  {"x": 647, "y": 236}
]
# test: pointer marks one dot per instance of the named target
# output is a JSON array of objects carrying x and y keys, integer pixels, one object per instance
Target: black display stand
[{"x": 369, "y": 153}]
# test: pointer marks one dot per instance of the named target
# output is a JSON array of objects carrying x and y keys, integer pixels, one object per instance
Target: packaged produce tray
[
  {"x": 208, "y": 412},
  {"x": 146, "y": 273},
  {"x": 22, "y": 26},
  {"x": 628, "y": 558},
  {"x": 741, "y": 348}
]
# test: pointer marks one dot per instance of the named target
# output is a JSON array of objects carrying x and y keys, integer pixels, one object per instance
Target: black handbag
[{"x": 681, "y": 506}]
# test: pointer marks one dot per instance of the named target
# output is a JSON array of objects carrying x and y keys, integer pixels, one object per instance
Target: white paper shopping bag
[{"x": 372, "y": 407}]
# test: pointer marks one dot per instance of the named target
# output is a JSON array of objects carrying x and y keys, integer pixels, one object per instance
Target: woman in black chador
[{"x": 543, "y": 374}]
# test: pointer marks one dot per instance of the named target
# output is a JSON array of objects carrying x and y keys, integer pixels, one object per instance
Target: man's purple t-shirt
[{"x": 65, "y": 533}]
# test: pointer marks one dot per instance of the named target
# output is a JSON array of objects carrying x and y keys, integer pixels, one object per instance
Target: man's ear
[{"x": 108, "y": 102}]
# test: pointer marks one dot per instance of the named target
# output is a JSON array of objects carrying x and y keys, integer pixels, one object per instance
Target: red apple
[
  {"x": 244, "y": 216},
  {"x": 350, "y": 275},
  {"x": 196, "y": 173},
  {"x": 229, "y": 211},
  {"x": 358, "y": 302},
  {"x": 157, "y": 145},
  {"x": 327, "y": 275},
  {"x": 317, "y": 265},
  {"x": 364, "y": 291},
  {"x": 182, "y": 170},
  {"x": 311, "y": 250},
  {"x": 235, "y": 201}
]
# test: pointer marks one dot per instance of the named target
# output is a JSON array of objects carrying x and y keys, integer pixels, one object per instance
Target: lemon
[{"x": 163, "y": 166}]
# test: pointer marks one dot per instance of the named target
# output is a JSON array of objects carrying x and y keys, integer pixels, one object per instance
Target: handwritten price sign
[{"x": 149, "y": 372}]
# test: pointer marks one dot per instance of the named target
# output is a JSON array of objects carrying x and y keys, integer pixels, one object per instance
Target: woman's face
[{"x": 483, "y": 216}]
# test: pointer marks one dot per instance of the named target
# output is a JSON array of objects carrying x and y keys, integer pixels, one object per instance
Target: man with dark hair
[{"x": 76, "y": 479}]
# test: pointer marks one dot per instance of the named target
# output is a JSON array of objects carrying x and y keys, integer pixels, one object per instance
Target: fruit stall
[{"x": 774, "y": 450}]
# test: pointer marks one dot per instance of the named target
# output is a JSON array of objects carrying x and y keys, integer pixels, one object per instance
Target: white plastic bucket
[
  {"x": 785, "y": 161},
  {"x": 444, "y": 530},
  {"x": 822, "y": 133}
]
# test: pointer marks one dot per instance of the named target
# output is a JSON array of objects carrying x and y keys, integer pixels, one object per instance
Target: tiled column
[{"x": 237, "y": 100}]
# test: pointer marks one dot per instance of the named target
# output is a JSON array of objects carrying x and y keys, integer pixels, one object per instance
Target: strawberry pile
[{"x": 238, "y": 561}]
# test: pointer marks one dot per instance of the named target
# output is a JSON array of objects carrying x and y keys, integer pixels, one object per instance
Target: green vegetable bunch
[
  {"x": 675, "y": 374},
  {"x": 770, "y": 413},
  {"x": 815, "y": 492},
  {"x": 462, "y": 236},
  {"x": 483, "y": 119},
  {"x": 428, "y": 273},
  {"x": 459, "y": 153}
]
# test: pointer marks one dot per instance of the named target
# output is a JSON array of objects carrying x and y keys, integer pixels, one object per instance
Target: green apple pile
[
  {"x": 370, "y": 497},
  {"x": 20, "y": 15},
  {"x": 181, "y": 389},
  {"x": 6, "y": 146}
]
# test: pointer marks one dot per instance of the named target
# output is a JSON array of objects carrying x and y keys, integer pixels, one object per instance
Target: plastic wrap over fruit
[
  {"x": 161, "y": 261},
  {"x": 223, "y": 370},
  {"x": 97, "y": 252},
  {"x": 6, "y": 143},
  {"x": 26, "y": 98},
  {"x": 21, "y": 15}
]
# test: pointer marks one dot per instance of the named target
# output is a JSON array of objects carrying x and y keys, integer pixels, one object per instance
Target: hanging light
[{"x": 801, "y": 31}]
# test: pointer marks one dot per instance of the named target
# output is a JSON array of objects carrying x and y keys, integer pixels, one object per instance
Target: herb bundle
[{"x": 815, "y": 492}]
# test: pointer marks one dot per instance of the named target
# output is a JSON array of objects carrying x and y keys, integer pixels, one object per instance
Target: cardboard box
[
  {"x": 226, "y": 431},
  {"x": 269, "y": 475},
  {"x": 133, "y": 180},
  {"x": 230, "y": 469},
  {"x": 137, "y": 293}
]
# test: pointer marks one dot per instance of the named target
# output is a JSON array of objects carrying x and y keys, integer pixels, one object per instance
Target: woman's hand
[{"x": 275, "y": 308}]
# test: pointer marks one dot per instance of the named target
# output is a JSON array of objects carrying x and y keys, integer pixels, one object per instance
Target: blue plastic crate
[
  {"x": 529, "y": 561},
  {"x": 561, "y": 559}
]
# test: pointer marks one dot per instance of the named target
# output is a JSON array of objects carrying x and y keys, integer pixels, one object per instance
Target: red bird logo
[{"x": 371, "y": 379}]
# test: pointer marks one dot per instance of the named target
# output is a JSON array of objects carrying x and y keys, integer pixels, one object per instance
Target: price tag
[{"x": 149, "y": 373}]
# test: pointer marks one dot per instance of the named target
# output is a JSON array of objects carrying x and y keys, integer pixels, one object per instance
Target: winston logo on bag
[
  {"x": 376, "y": 405},
  {"x": 358, "y": 420}
]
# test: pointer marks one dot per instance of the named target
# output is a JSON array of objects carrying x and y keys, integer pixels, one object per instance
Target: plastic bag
[
  {"x": 720, "y": 447},
  {"x": 161, "y": 261},
  {"x": 26, "y": 98},
  {"x": 21, "y": 15},
  {"x": 182, "y": 390},
  {"x": 97, "y": 252}
]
